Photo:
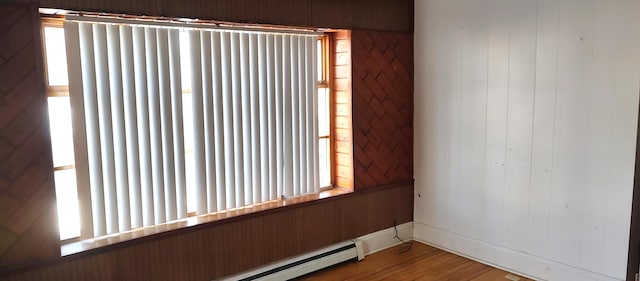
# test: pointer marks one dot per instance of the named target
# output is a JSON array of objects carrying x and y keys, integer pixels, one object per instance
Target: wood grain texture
[
  {"x": 421, "y": 262},
  {"x": 391, "y": 15},
  {"x": 341, "y": 108},
  {"x": 207, "y": 252},
  {"x": 211, "y": 252},
  {"x": 28, "y": 222},
  {"x": 382, "y": 107}
]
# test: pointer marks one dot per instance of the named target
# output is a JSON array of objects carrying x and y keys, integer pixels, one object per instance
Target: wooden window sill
[{"x": 159, "y": 231}]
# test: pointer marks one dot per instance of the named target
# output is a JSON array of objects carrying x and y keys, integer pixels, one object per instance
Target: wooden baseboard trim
[
  {"x": 383, "y": 239},
  {"x": 503, "y": 258}
]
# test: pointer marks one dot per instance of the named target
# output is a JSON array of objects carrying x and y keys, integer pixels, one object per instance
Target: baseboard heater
[{"x": 304, "y": 264}]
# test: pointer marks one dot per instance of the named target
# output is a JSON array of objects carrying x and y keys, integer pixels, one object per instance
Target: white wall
[{"x": 525, "y": 129}]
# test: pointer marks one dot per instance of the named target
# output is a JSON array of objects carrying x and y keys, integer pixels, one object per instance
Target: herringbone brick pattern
[
  {"x": 28, "y": 228},
  {"x": 382, "y": 107}
]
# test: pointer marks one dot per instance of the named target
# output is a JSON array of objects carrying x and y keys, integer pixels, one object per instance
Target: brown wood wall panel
[
  {"x": 392, "y": 15},
  {"x": 28, "y": 228},
  {"x": 382, "y": 107},
  {"x": 381, "y": 148},
  {"x": 213, "y": 252}
]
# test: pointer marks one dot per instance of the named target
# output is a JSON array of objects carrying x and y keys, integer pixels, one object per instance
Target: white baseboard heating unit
[{"x": 304, "y": 264}]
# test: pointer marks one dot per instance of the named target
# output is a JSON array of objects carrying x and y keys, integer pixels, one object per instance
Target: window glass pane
[
  {"x": 61, "y": 132},
  {"x": 320, "y": 60},
  {"x": 323, "y": 112},
  {"x": 67, "y": 199},
  {"x": 56, "y": 56},
  {"x": 324, "y": 163}
]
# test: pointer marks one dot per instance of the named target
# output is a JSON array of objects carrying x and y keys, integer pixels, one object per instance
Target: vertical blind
[{"x": 254, "y": 119}]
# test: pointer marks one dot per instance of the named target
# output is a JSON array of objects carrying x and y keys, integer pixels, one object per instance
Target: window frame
[
  {"x": 326, "y": 83},
  {"x": 326, "y": 191},
  {"x": 57, "y": 91}
]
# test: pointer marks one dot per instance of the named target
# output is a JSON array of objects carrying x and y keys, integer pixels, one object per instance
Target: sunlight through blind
[{"x": 252, "y": 120}]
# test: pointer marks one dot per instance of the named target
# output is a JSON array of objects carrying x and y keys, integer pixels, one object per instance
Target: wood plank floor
[{"x": 420, "y": 262}]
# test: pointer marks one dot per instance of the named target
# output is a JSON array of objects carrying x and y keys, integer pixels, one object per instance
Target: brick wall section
[
  {"x": 28, "y": 222},
  {"x": 382, "y": 107}
]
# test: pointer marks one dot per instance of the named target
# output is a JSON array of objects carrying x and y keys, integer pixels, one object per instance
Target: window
[
  {"x": 61, "y": 133},
  {"x": 178, "y": 120},
  {"x": 324, "y": 112}
]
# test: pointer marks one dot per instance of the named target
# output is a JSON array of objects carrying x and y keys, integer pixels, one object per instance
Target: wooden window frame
[
  {"x": 326, "y": 83},
  {"x": 79, "y": 244},
  {"x": 55, "y": 91},
  {"x": 340, "y": 75}
]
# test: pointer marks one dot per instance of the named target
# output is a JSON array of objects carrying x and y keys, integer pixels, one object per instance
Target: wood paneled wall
[
  {"x": 342, "y": 108},
  {"x": 382, "y": 141},
  {"x": 393, "y": 15},
  {"x": 212, "y": 252},
  {"x": 28, "y": 222},
  {"x": 382, "y": 107}
]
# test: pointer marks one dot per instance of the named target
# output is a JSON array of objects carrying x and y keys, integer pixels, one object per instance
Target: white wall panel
[
  {"x": 525, "y": 128},
  {"x": 522, "y": 70},
  {"x": 473, "y": 118},
  {"x": 498, "y": 34},
  {"x": 543, "y": 126},
  {"x": 430, "y": 26},
  {"x": 570, "y": 145},
  {"x": 623, "y": 134},
  {"x": 598, "y": 135}
]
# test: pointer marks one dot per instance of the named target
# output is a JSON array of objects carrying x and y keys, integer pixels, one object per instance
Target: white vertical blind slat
[
  {"x": 314, "y": 114},
  {"x": 302, "y": 113},
  {"x": 216, "y": 69},
  {"x": 76, "y": 98},
  {"x": 236, "y": 93},
  {"x": 198, "y": 123},
  {"x": 177, "y": 117},
  {"x": 207, "y": 99},
  {"x": 256, "y": 159},
  {"x": 142, "y": 108},
  {"x": 168, "y": 195},
  {"x": 227, "y": 112},
  {"x": 295, "y": 116},
  {"x": 286, "y": 117},
  {"x": 278, "y": 93},
  {"x": 131, "y": 127},
  {"x": 155, "y": 133},
  {"x": 118, "y": 122},
  {"x": 264, "y": 116},
  {"x": 245, "y": 81},
  {"x": 312, "y": 135},
  {"x": 271, "y": 73},
  {"x": 92, "y": 128},
  {"x": 106, "y": 132}
]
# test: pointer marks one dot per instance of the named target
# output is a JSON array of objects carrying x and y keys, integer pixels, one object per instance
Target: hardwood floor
[{"x": 420, "y": 262}]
